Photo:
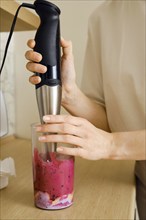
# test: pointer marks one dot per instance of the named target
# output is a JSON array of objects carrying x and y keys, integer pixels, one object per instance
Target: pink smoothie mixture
[{"x": 53, "y": 181}]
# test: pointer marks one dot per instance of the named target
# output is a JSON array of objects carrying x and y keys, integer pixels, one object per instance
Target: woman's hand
[
  {"x": 72, "y": 97},
  {"x": 67, "y": 68},
  {"x": 88, "y": 141}
]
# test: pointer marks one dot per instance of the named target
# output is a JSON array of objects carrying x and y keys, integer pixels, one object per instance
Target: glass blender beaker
[{"x": 53, "y": 175}]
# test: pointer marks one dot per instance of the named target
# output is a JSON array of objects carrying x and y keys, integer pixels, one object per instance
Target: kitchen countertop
[{"x": 104, "y": 189}]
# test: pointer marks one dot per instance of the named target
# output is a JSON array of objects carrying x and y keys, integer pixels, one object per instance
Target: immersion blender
[
  {"x": 47, "y": 39},
  {"x": 48, "y": 91}
]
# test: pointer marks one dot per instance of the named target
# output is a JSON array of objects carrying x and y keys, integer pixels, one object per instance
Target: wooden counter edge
[{"x": 6, "y": 139}]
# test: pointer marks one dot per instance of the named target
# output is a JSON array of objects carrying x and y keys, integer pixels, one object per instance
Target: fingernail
[
  {"x": 42, "y": 138},
  {"x": 46, "y": 118},
  {"x": 44, "y": 69},
  {"x": 59, "y": 149},
  {"x": 36, "y": 79}
]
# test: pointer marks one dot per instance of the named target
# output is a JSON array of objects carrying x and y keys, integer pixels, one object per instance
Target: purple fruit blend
[{"x": 53, "y": 180}]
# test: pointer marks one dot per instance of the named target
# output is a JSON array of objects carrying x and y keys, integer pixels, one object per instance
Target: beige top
[{"x": 114, "y": 70}]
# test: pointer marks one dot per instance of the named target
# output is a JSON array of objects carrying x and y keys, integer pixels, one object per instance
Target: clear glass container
[{"x": 53, "y": 175}]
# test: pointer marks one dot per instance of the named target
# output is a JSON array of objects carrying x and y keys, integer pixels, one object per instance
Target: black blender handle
[{"x": 48, "y": 42}]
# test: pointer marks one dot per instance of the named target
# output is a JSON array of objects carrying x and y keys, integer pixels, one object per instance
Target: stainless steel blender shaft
[
  {"x": 49, "y": 103},
  {"x": 49, "y": 100}
]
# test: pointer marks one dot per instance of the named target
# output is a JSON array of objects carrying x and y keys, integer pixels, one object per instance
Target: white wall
[
  {"x": 74, "y": 20},
  {"x": 7, "y": 84}
]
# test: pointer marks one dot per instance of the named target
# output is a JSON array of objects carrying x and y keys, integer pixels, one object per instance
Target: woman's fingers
[
  {"x": 67, "y": 129},
  {"x": 65, "y": 124},
  {"x": 34, "y": 79},
  {"x": 66, "y": 48},
  {"x": 79, "y": 152},
  {"x": 64, "y": 119},
  {"x": 66, "y": 45},
  {"x": 66, "y": 139},
  {"x": 90, "y": 142},
  {"x": 62, "y": 128},
  {"x": 38, "y": 68},
  {"x": 34, "y": 65},
  {"x": 72, "y": 151},
  {"x": 33, "y": 56},
  {"x": 31, "y": 43}
]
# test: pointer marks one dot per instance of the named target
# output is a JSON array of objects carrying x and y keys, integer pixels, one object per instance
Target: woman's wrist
[
  {"x": 69, "y": 96},
  {"x": 127, "y": 145}
]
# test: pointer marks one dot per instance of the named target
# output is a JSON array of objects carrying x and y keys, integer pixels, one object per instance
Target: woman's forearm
[
  {"x": 129, "y": 145},
  {"x": 77, "y": 104}
]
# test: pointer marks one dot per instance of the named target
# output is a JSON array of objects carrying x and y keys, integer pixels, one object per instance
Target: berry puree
[{"x": 53, "y": 180}]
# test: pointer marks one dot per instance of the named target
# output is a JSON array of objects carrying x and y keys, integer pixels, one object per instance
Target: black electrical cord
[{"x": 12, "y": 30}]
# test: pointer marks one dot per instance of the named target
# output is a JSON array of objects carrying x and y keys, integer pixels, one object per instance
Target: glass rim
[{"x": 33, "y": 125}]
